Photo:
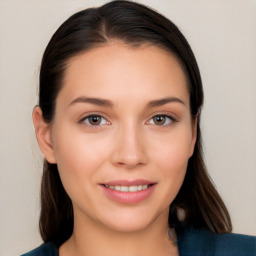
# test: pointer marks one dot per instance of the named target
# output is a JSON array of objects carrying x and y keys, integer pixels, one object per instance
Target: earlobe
[{"x": 43, "y": 135}]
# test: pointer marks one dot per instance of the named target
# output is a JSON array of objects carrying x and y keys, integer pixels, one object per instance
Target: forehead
[{"x": 117, "y": 70}]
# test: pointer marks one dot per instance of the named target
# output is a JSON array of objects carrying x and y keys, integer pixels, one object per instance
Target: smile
[
  {"x": 128, "y": 188},
  {"x": 128, "y": 192}
]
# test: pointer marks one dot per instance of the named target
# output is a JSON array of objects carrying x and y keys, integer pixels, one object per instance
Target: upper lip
[{"x": 129, "y": 182}]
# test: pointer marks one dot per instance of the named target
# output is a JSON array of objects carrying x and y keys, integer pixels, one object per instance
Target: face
[{"x": 122, "y": 135}]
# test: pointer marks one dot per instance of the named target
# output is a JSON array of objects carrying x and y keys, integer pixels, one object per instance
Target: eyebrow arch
[
  {"x": 161, "y": 102},
  {"x": 107, "y": 103},
  {"x": 95, "y": 101}
]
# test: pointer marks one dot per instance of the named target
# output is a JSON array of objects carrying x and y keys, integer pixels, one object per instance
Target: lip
[
  {"x": 128, "y": 197},
  {"x": 136, "y": 182}
]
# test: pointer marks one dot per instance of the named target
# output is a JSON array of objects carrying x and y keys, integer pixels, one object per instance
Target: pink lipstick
[{"x": 128, "y": 192}]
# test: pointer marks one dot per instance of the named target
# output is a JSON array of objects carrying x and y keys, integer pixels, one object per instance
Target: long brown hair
[{"x": 134, "y": 24}]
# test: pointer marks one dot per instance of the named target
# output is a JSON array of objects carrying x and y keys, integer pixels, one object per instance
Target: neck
[{"x": 94, "y": 239}]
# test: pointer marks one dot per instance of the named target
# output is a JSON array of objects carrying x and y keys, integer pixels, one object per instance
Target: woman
[{"x": 118, "y": 122}]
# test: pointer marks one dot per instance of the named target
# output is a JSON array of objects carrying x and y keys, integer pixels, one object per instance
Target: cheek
[
  {"x": 172, "y": 159},
  {"x": 173, "y": 151},
  {"x": 173, "y": 163},
  {"x": 79, "y": 157},
  {"x": 173, "y": 173}
]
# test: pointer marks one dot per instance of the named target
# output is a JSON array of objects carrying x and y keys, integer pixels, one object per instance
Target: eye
[
  {"x": 94, "y": 120},
  {"x": 162, "y": 120}
]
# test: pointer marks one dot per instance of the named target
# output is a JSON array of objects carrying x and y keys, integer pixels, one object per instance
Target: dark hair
[{"x": 135, "y": 25}]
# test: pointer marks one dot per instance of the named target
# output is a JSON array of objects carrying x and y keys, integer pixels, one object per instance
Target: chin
[
  {"x": 133, "y": 221},
  {"x": 124, "y": 227}
]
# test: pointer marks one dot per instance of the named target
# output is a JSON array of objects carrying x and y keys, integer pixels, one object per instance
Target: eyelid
[
  {"x": 82, "y": 120},
  {"x": 167, "y": 115}
]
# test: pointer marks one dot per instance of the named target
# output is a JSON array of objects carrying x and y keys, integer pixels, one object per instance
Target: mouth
[
  {"x": 133, "y": 188},
  {"x": 128, "y": 192}
]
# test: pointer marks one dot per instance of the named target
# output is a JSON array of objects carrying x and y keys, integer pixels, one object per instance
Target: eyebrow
[
  {"x": 95, "y": 101},
  {"x": 161, "y": 102},
  {"x": 107, "y": 103}
]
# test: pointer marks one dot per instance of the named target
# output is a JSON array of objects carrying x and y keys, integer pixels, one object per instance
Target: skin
[{"x": 127, "y": 144}]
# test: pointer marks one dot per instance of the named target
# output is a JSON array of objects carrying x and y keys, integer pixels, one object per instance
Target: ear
[
  {"x": 194, "y": 135},
  {"x": 43, "y": 135}
]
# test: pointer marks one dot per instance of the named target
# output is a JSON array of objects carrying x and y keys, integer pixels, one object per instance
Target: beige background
[{"x": 222, "y": 34}]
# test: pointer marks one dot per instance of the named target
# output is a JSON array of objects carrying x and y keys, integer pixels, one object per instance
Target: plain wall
[{"x": 222, "y": 34}]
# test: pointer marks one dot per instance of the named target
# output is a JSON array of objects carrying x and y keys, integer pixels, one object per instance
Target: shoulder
[
  {"x": 46, "y": 249},
  {"x": 201, "y": 242}
]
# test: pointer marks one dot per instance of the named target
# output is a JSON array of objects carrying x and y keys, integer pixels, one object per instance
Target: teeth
[
  {"x": 124, "y": 188},
  {"x": 128, "y": 188},
  {"x": 144, "y": 187},
  {"x": 133, "y": 188}
]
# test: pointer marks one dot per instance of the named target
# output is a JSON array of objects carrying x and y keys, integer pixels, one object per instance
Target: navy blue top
[{"x": 191, "y": 242}]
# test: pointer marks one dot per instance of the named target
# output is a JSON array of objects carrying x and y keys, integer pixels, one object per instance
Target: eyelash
[
  {"x": 167, "y": 118},
  {"x": 106, "y": 122},
  {"x": 83, "y": 120}
]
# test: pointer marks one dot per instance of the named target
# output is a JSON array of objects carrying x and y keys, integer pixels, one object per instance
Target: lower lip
[{"x": 128, "y": 197}]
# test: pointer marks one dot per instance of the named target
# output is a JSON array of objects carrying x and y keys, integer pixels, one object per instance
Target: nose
[{"x": 129, "y": 148}]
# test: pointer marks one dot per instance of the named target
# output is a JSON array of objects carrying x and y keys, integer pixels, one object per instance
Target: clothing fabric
[
  {"x": 191, "y": 242},
  {"x": 46, "y": 249}
]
